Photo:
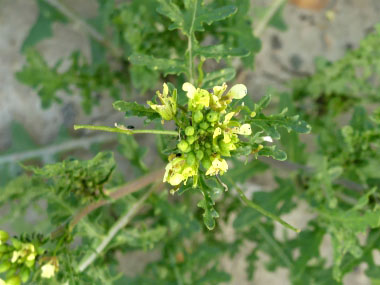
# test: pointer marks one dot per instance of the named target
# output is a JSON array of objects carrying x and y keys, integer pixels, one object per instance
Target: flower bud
[
  {"x": 190, "y": 139},
  {"x": 190, "y": 159},
  {"x": 14, "y": 280},
  {"x": 204, "y": 125},
  {"x": 29, "y": 263},
  {"x": 189, "y": 131},
  {"x": 4, "y": 266},
  {"x": 24, "y": 274},
  {"x": 3, "y": 236},
  {"x": 16, "y": 243},
  {"x": 183, "y": 146},
  {"x": 3, "y": 248},
  {"x": 212, "y": 116},
  {"x": 206, "y": 162},
  {"x": 198, "y": 117},
  {"x": 199, "y": 154}
]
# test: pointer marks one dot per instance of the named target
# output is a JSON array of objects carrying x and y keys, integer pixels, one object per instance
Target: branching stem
[
  {"x": 261, "y": 210},
  {"x": 121, "y": 223}
]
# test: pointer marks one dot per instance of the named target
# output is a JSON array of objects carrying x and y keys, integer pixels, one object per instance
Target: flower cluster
[
  {"x": 18, "y": 259},
  {"x": 208, "y": 133}
]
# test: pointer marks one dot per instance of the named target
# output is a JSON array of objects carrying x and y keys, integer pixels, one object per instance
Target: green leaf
[
  {"x": 135, "y": 109},
  {"x": 134, "y": 152},
  {"x": 42, "y": 28},
  {"x": 277, "y": 21},
  {"x": 271, "y": 123},
  {"x": 195, "y": 14},
  {"x": 218, "y": 77},
  {"x": 220, "y": 51},
  {"x": 165, "y": 65},
  {"x": 83, "y": 179},
  {"x": 207, "y": 204},
  {"x": 274, "y": 152}
]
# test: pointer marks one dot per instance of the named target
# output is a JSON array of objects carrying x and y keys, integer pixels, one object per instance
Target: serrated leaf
[
  {"x": 42, "y": 28},
  {"x": 274, "y": 152},
  {"x": 218, "y": 77},
  {"x": 135, "y": 109},
  {"x": 207, "y": 204},
  {"x": 195, "y": 14},
  {"x": 165, "y": 65}
]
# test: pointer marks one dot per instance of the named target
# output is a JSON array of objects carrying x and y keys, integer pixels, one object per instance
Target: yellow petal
[
  {"x": 217, "y": 132},
  {"x": 47, "y": 270},
  {"x": 176, "y": 179},
  {"x": 238, "y": 91},
  {"x": 228, "y": 118},
  {"x": 190, "y": 89},
  {"x": 245, "y": 130}
]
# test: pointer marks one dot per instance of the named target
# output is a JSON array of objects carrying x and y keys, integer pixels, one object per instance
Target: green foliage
[
  {"x": 42, "y": 28},
  {"x": 84, "y": 179},
  {"x": 81, "y": 204}
]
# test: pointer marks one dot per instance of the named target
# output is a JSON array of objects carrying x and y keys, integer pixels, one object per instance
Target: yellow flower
[
  {"x": 2, "y": 282},
  {"x": 237, "y": 91},
  {"x": 177, "y": 171},
  {"x": 16, "y": 254},
  {"x": 169, "y": 108},
  {"x": 244, "y": 129},
  {"x": 198, "y": 98},
  {"x": 48, "y": 270},
  {"x": 218, "y": 165}
]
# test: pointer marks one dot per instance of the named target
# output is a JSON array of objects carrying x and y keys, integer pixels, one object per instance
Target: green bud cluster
[
  {"x": 17, "y": 259},
  {"x": 207, "y": 135}
]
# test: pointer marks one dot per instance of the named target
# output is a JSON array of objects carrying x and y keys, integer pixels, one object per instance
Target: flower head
[
  {"x": 168, "y": 109},
  {"x": 218, "y": 165},
  {"x": 48, "y": 269},
  {"x": 198, "y": 98},
  {"x": 210, "y": 133}
]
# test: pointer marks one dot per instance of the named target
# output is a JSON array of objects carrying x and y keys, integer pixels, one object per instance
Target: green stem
[
  {"x": 125, "y": 131},
  {"x": 267, "y": 17},
  {"x": 272, "y": 242},
  {"x": 261, "y": 210},
  {"x": 190, "y": 43}
]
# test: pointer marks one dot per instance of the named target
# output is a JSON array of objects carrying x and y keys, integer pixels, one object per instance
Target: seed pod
[
  {"x": 4, "y": 266},
  {"x": 199, "y": 154},
  {"x": 204, "y": 125},
  {"x": 196, "y": 146},
  {"x": 206, "y": 162},
  {"x": 190, "y": 139},
  {"x": 198, "y": 117},
  {"x": 201, "y": 132},
  {"x": 207, "y": 145},
  {"x": 208, "y": 151},
  {"x": 189, "y": 131},
  {"x": 212, "y": 116},
  {"x": 190, "y": 159},
  {"x": 183, "y": 146}
]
